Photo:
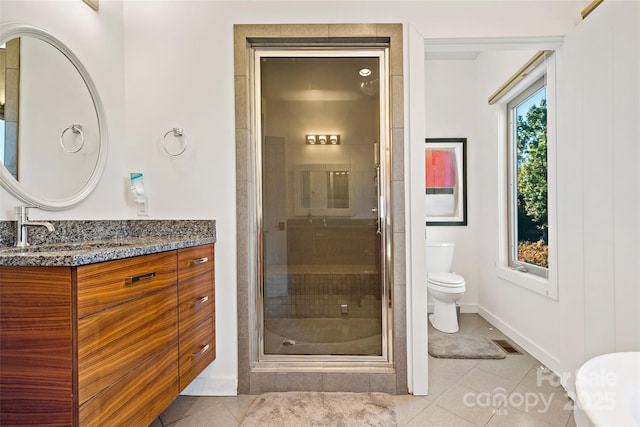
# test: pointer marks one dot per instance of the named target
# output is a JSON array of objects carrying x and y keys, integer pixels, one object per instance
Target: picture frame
[{"x": 445, "y": 181}]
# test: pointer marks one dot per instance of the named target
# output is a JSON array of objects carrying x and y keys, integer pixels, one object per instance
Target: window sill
[{"x": 537, "y": 284}]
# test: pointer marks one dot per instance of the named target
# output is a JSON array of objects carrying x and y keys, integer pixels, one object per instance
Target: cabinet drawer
[
  {"x": 113, "y": 342},
  {"x": 195, "y": 261},
  {"x": 195, "y": 307},
  {"x": 110, "y": 283},
  {"x": 138, "y": 398},
  {"x": 197, "y": 351},
  {"x": 196, "y": 298}
]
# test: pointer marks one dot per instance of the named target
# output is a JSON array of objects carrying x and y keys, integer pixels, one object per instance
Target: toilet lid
[{"x": 446, "y": 279}]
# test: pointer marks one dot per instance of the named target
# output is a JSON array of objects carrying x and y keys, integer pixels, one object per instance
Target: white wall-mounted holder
[
  {"x": 180, "y": 145},
  {"x": 143, "y": 206},
  {"x": 137, "y": 190}
]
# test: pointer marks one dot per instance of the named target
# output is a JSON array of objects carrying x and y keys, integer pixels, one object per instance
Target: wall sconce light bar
[{"x": 322, "y": 139}]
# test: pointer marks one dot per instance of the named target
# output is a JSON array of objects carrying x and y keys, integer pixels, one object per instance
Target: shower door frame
[{"x": 270, "y": 362}]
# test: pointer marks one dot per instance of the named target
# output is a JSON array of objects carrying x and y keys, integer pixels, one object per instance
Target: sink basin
[{"x": 66, "y": 247}]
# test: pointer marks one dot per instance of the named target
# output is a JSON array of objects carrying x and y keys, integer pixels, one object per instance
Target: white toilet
[{"x": 443, "y": 286}]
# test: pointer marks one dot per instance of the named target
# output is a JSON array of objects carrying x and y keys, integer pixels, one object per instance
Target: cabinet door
[
  {"x": 137, "y": 398},
  {"x": 113, "y": 342},
  {"x": 35, "y": 346}
]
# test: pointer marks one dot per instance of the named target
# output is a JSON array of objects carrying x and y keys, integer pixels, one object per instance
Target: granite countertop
[
  {"x": 82, "y": 248},
  {"x": 90, "y": 252}
]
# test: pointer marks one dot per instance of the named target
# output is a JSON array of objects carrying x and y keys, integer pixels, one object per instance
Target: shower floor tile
[{"x": 356, "y": 336}]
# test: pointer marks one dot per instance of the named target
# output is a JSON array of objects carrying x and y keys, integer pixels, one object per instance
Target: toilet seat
[{"x": 448, "y": 280}]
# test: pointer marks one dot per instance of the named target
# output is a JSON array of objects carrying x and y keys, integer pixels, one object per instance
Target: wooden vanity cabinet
[{"x": 101, "y": 344}]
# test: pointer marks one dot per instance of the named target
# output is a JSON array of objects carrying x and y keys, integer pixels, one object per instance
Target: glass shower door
[{"x": 322, "y": 271}]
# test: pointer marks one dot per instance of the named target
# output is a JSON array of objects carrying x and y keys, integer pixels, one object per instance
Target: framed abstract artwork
[{"x": 445, "y": 181}]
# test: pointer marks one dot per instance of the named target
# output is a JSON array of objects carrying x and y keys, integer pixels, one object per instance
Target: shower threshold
[{"x": 324, "y": 364}]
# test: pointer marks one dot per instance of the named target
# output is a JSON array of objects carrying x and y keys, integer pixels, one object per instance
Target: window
[{"x": 527, "y": 183}]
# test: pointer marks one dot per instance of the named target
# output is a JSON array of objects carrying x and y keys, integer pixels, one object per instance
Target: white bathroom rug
[
  {"x": 318, "y": 409},
  {"x": 462, "y": 346}
]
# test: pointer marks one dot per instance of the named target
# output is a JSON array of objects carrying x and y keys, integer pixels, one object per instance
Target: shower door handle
[
  {"x": 380, "y": 200},
  {"x": 380, "y": 214}
]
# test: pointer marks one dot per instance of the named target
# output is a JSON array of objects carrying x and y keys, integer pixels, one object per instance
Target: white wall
[
  {"x": 451, "y": 111},
  {"x": 528, "y": 317},
  {"x": 598, "y": 203},
  {"x": 599, "y": 184},
  {"x": 159, "y": 65}
]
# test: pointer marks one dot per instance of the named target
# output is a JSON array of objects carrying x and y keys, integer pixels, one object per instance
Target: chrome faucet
[{"x": 22, "y": 216}]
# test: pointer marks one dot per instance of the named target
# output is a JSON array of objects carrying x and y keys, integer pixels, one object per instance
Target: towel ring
[
  {"x": 178, "y": 133},
  {"x": 75, "y": 129}
]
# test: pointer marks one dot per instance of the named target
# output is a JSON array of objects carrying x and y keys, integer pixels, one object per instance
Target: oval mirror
[{"x": 53, "y": 140}]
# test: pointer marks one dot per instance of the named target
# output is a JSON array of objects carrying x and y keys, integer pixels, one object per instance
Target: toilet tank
[{"x": 439, "y": 257}]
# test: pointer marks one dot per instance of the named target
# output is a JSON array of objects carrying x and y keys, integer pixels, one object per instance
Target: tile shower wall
[{"x": 322, "y": 295}]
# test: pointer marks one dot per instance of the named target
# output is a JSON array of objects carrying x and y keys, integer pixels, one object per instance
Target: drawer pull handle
[
  {"x": 140, "y": 277},
  {"x": 200, "y": 352},
  {"x": 200, "y": 301},
  {"x": 200, "y": 260}
]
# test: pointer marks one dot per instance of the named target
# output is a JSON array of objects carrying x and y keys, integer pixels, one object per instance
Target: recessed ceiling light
[{"x": 364, "y": 72}]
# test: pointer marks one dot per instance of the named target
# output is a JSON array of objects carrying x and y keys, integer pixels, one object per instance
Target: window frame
[
  {"x": 512, "y": 171},
  {"x": 548, "y": 286}
]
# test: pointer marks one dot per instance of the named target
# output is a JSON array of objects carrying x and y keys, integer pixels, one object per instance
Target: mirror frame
[{"x": 7, "y": 181}]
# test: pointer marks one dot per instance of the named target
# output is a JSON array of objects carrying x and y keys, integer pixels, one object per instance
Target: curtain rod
[
  {"x": 537, "y": 59},
  {"x": 93, "y": 4},
  {"x": 590, "y": 8}
]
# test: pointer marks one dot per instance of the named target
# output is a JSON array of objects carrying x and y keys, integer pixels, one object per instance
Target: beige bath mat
[
  {"x": 462, "y": 346},
  {"x": 315, "y": 409}
]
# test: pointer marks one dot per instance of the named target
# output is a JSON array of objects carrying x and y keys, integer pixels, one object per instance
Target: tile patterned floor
[{"x": 515, "y": 391}]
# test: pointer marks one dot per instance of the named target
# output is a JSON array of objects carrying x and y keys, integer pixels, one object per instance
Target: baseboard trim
[
  {"x": 464, "y": 308},
  {"x": 468, "y": 308},
  {"x": 203, "y": 386},
  {"x": 520, "y": 339}
]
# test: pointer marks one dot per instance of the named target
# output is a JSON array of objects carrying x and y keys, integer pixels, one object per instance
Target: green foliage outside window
[{"x": 532, "y": 185}]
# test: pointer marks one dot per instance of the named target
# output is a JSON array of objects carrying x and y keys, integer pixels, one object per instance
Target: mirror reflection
[
  {"x": 9, "y": 91},
  {"x": 49, "y": 125},
  {"x": 325, "y": 189}
]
